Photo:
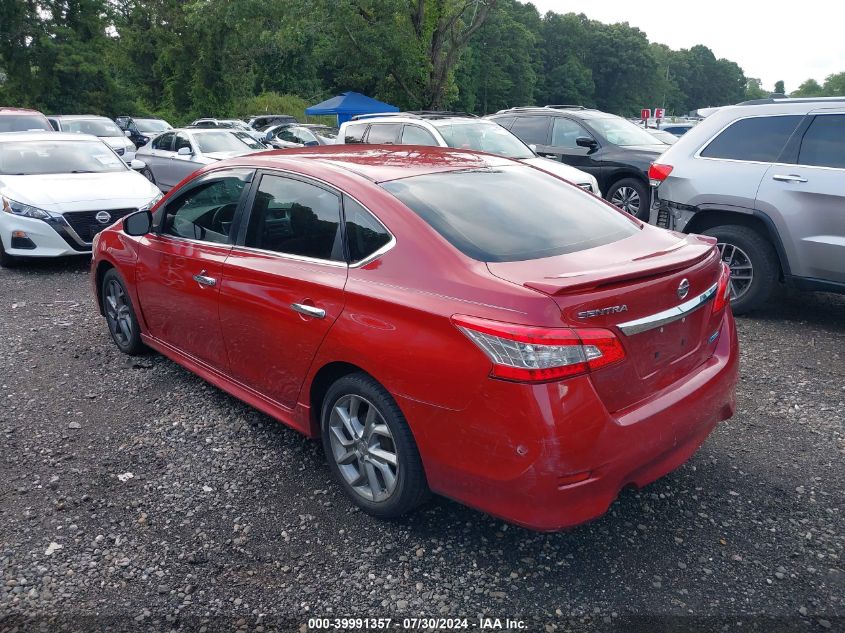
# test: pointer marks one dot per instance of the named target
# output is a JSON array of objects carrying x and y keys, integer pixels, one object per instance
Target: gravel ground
[{"x": 137, "y": 497}]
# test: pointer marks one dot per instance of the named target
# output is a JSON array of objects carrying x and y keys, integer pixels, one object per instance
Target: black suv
[
  {"x": 142, "y": 130},
  {"x": 614, "y": 150}
]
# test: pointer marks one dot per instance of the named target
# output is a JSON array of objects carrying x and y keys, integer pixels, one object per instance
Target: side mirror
[
  {"x": 184, "y": 151},
  {"x": 586, "y": 141},
  {"x": 127, "y": 134},
  {"x": 138, "y": 223},
  {"x": 137, "y": 165}
]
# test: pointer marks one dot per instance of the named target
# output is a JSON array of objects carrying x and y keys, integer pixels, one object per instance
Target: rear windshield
[
  {"x": 511, "y": 213},
  {"x": 23, "y": 123}
]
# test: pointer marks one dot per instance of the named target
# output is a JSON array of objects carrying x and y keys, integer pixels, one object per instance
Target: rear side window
[
  {"x": 824, "y": 142},
  {"x": 532, "y": 129},
  {"x": 364, "y": 234},
  {"x": 354, "y": 133},
  {"x": 383, "y": 133},
  {"x": 759, "y": 139},
  {"x": 511, "y": 213}
]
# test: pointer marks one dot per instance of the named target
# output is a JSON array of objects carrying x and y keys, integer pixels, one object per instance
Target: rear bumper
[{"x": 515, "y": 455}]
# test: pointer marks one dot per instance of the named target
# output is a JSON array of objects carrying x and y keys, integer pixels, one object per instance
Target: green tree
[
  {"x": 834, "y": 85},
  {"x": 779, "y": 87},
  {"x": 754, "y": 89},
  {"x": 809, "y": 88}
]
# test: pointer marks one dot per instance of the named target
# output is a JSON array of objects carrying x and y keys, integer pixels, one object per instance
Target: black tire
[
  {"x": 147, "y": 173},
  {"x": 410, "y": 487},
  {"x": 6, "y": 260},
  {"x": 128, "y": 338},
  {"x": 763, "y": 260},
  {"x": 641, "y": 209}
]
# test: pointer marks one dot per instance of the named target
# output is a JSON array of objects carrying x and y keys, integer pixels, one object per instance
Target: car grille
[
  {"x": 663, "y": 218},
  {"x": 120, "y": 151},
  {"x": 86, "y": 225}
]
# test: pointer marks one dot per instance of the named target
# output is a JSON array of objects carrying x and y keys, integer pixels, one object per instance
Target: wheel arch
[
  {"x": 621, "y": 174},
  {"x": 323, "y": 379}
]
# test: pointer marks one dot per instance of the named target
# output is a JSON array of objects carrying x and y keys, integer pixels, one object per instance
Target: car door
[
  {"x": 180, "y": 264},
  {"x": 158, "y": 158},
  {"x": 283, "y": 284},
  {"x": 806, "y": 200},
  {"x": 183, "y": 165},
  {"x": 562, "y": 146}
]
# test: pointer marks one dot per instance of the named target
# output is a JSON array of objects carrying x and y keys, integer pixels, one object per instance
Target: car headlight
[
  {"x": 151, "y": 203},
  {"x": 25, "y": 210}
]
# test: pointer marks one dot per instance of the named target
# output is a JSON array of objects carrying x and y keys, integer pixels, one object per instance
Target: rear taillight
[
  {"x": 535, "y": 354},
  {"x": 657, "y": 173},
  {"x": 723, "y": 290}
]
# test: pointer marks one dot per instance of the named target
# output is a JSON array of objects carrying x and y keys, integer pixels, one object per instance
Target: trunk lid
[{"x": 626, "y": 281}]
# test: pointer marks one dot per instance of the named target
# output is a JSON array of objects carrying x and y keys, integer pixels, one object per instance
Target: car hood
[
  {"x": 561, "y": 170},
  {"x": 116, "y": 141},
  {"x": 74, "y": 192}
]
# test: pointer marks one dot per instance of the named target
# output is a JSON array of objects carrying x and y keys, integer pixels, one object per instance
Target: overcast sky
[{"x": 771, "y": 40}]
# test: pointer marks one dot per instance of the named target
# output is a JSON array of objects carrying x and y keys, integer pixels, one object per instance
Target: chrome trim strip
[
  {"x": 296, "y": 258},
  {"x": 668, "y": 316}
]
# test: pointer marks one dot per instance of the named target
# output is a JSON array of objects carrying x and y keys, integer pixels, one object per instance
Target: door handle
[
  {"x": 202, "y": 280},
  {"x": 789, "y": 178},
  {"x": 317, "y": 313}
]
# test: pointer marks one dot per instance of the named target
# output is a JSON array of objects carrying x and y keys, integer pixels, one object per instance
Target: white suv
[{"x": 457, "y": 130}]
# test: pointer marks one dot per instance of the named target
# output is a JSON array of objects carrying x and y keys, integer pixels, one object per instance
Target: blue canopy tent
[{"x": 349, "y": 104}]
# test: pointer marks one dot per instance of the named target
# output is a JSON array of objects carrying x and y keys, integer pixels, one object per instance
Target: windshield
[
  {"x": 220, "y": 141},
  {"x": 25, "y": 158},
  {"x": 483, "y": 137},
  {"x": 511, "y": 213},
  {"x": 246, "y": 138},
  {"x": 23, "y": 123},
  {"x": 151, "y": 125},
  {"x": 621, "y": 132},
  {"x": 97, "y": 127}
]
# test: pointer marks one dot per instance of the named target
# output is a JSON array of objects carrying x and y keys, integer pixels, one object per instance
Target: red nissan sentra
[{"x": 444, "y": 320}]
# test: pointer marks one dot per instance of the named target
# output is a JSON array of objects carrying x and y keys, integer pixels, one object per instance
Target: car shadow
[
  {"x": 50, "y": 265},
  {"x": 816, "y": 309}
]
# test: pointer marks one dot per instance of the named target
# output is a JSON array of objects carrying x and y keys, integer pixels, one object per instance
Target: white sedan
[{"x": 58, "y": 190}]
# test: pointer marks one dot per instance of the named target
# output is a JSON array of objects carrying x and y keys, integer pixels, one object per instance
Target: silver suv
[
  {"x": 458, "y": 130},
  {"x": 766, "y": 178}
]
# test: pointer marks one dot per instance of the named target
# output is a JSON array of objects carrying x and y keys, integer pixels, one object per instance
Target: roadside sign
[
  {"x": 658, "y": 113},
  {"x": 645, "y": 114}
]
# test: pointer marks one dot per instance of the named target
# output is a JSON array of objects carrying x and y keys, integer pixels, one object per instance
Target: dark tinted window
[
  {"x": 163, "y": 142},
  {"x": 354, "y": 133},
  {"x": 510, "y": 213},
  {"x": 364, "y": 234},
  {"x": 206, "y": 212},
  {"x": 415, "y": 135},
  {"x": 565, "y": 131},
  {"x": 295, "y": 218},
  {"x": 381, "y": 133},
  {"x": 532, "y": 129},
  {"x": 758, "y": 139},
  {"x": 824, "y": 142}
]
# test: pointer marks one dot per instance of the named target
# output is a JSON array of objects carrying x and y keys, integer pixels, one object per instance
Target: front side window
[
  {"x": 295, "y": 218},
  {"x": 415, "y": 135},
  {"x": 824, "y": 142},
  {"x": 164, "y": 142},
  {"x": 383, "y": 134},
  {"x": 759, "y": 139},
  {"x": 510, "y": 213},
  {"x": 532, "y": 130},
  {"x": 207, "y": 211},
  {"x": 354, "y": 133},
  {"x": 364, "y": 234},
  {"x": 565, "y": 132}
]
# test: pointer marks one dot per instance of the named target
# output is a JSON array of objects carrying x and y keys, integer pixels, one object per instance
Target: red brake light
[
  {"x": 723, "y": 290},
  {"x": 536, "y": 354},
  {"x": 657, "y": 173}
]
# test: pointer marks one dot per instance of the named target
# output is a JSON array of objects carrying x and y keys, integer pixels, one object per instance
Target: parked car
[
  {"x": 229, "y": 124},
  {"x": 614, "y": 150},
  {"x": 22, "y": 120},
  {"x": 266, "y": 120},
  {"x": 59, "y": 190},
  {"x": 677, "y": 129},
  {"x": 286, "y": 136},
  {"x": 176, "y": 154},
  {"x": 100, "y": 126},
  {"x": 444, "y": 320},
  {"x": 767, "y": 180},
  {"x": 457, "y": 130},
  {"x": 325, "y": 133},
  {"x": 142, "y": 130}
]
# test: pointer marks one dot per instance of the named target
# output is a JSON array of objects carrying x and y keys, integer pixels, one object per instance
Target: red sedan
[{"x": 444, "y": 320}]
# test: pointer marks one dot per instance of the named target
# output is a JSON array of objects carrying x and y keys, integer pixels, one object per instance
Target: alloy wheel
[
  {"x": 363, "y": 448},
  {"x": 627, "y": 199},
  {"x": 118, "y": 314},
  {"x": 742, "y": 271}
]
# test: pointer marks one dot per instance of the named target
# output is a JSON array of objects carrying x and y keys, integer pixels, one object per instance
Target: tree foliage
[{"x": 188, "y": 58}]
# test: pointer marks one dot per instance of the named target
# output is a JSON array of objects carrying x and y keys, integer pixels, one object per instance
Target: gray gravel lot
[{"x": 231, "y": 521}]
